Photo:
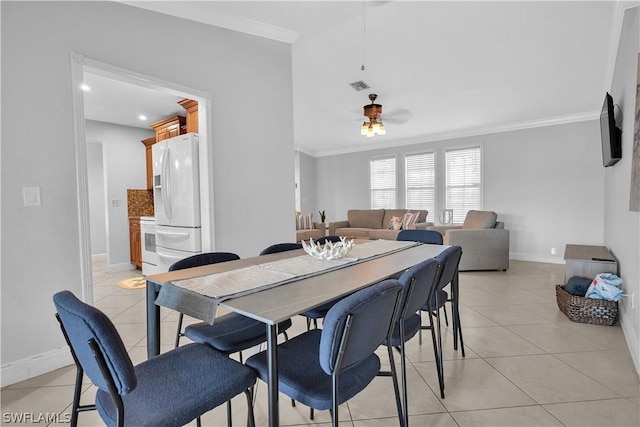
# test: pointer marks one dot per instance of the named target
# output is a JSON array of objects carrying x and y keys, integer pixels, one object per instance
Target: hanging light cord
[{"x": 364, "y": 33}]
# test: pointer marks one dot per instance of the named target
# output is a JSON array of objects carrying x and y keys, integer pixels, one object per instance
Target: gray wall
[
  {"x": 125, "y": 162},
  {"x": 621, "y": 226},
  {"x": 308, "y": 186},
  {"x": 40, "y": 249},
  {"x": 97, "y": 195},
  {"x": 543, "y": 183}
]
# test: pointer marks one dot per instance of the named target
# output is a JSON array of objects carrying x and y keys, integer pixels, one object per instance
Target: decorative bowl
[{"x": 329, "y": 250}]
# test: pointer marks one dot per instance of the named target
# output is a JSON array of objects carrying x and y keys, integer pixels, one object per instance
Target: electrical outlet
[{"x": 554, "y": 251}]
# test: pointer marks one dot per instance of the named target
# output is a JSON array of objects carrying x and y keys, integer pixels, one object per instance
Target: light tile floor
[{"x": 526, "y": 364}]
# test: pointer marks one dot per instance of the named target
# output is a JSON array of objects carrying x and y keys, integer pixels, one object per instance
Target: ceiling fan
[{"x": 375, "y": 126}]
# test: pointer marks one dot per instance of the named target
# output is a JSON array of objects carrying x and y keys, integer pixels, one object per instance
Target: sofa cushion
[
  {"x": 366, "y": 218},
  {"x": 408, "y": 219},
  {"x": 390, "y": 213},
  {"x": 479, "y": 219},
  {"x": 395, "y": 223},
  {"x": 354, "y": 232},
  {"x": 304, "y": 221},
  {"x": 383, "y": 234}
]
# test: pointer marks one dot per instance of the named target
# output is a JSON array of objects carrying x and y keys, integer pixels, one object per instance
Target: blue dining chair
[
  {"x": 231, "y": 333},
  {"x": 281, "y": 247},
  {"x": 425, "y": 236},
  {"x": 323, "y": 368},
  {"x": 450, "y": 259},
  {"x": 323, "y": 240},
  {"x": 419, "y": 283},
  {"x": 171, "y": 389}
]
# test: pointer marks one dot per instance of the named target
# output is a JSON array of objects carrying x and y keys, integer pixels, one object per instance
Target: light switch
[
  {"x": 31, "y": 196},
  {"x": 115, "y": 203}
]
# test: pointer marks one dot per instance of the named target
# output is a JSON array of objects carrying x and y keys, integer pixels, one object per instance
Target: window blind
[
  {"x": 383, "y": 183},
  {"x": 462, "y": 181},
  {"x": 420, "y": 183}
]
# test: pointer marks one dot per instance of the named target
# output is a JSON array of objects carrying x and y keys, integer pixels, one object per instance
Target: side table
[{"x": 588, "y": 261}]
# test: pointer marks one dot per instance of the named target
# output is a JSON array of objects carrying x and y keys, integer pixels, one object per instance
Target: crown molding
[
  {"x": 464, "y": 133},
  {"x": 220, "y": 18}
]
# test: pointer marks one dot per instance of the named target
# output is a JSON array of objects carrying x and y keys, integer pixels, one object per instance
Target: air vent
[{"x": 359, "y": 85}]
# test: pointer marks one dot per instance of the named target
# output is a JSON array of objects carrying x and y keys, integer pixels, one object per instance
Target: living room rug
[{"x": 133, "y": 283}]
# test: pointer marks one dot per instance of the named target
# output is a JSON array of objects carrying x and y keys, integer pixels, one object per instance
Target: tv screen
[{"x": 611, "y": 135}]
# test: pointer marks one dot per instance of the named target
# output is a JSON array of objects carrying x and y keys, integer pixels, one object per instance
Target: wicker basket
[{"x": 586, "y": 310}]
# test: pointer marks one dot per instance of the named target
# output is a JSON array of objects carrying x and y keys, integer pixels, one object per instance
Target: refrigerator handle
[{"x": 166, "y": 183}]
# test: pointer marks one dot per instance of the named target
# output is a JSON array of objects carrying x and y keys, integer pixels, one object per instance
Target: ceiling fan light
[
  {"x": 364, "y": 129},
  {"x": 382, "y": 130},
  {"x": 375, "y": 127}
]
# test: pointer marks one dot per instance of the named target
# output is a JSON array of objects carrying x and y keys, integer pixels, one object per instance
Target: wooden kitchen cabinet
[
  {"x": 168, "y": 128},
  {"x": 191, "y": 106},
  {"x": 149, "y": 160},
  {"x": 135, "y": 242}
]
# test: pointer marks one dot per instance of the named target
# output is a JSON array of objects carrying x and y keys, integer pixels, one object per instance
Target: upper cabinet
[
  {"x": 191, "y": 107},
  {"x": 168, "y": 128}
]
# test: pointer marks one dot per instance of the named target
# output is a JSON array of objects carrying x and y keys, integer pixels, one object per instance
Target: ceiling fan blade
[{"x": 397, "y": 116}]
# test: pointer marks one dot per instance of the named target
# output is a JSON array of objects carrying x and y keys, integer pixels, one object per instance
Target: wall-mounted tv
[{"x": 611, "y": 135}]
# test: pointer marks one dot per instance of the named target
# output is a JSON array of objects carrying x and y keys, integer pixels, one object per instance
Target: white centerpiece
[{"x": 329, "y": 250}]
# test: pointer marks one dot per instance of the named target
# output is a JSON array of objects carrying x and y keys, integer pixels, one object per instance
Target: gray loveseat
[
  {"x": 373, "y": 223},
  {"x": 484, "y": 241}
]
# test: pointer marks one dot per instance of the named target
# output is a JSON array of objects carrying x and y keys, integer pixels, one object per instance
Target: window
[
  {"x": 420, "y": 183},
  {"x": 462, "y": 181},
  {"x": 383, "y": 183}
]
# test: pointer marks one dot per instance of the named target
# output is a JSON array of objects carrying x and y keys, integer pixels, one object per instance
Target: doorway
[{"x": 81, "y": 65}]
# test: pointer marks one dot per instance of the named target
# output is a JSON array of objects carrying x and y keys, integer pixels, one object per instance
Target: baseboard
[
  {"x": 525, "y": 256},
  {"x": 632, "y": 340},
  {"x": 33, "y": 366},
  {"x": 116, "y": 268},
  {"x": 98, "y": 257}
]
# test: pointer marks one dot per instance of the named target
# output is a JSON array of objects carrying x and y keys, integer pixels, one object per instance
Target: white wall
[
  {"x": 543, "y": 183},
  {"x": 621, "y": 226},
  {"x": 251, "y": 164},
  {"x": 307, "y": 185},
  {"x": 125, "y": 162},
  {"x": 97, "y": 195}
]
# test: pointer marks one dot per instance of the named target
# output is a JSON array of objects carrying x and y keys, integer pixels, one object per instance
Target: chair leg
[
  {"x": 436, "y": 352},
  {"x": 179, "y": 331},
  {"x": 420, "y": 331},
  {"x": 251, "y": 422},
  {"x": 229, "y": 422},
  {"x": 198, "y": 422},
  {"x": 446, "y": 318},
  {"x": 439, "y": 355},
  {"x": 76, "y": 397},
  {"x": 403, "y": 408},
  {"x": 311, "y": 413}
]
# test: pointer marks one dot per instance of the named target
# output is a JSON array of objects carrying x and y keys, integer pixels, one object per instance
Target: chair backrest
[
  {"x": 425, "y": 236},
  {"x": 203, "y": 259},
  {"x": 281, "y": 247},
  {"x": 449, "y": 258},
  {"x": 369, "y": 313},
  {"x": 419, "y": 283},
  {"x": 81, "y": 323},
  {"x": 323, "y": 240}
]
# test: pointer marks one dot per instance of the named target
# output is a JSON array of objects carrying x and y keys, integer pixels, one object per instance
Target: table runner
[{"x": 200, "y": 296}]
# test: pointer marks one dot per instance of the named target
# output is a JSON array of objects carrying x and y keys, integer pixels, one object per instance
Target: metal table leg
[
  {"x": 272, "y": 359},
  {"x": 153, "y": 321}
]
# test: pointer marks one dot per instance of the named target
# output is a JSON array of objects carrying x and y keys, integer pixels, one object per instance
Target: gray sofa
[
  {"x": 484, "y": 241},
  {"x": 373, "y": 223}
]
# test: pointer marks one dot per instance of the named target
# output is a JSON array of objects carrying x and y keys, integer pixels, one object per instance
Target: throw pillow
[
  {"x": 304, "y": 221},
  {"x": 408, "y": 219},
  {"x": 577, "y": 286},
  {"x": 395, "y": 223}
]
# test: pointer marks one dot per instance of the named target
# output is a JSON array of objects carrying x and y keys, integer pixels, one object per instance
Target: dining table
[{"x": 272, "y": 300}]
